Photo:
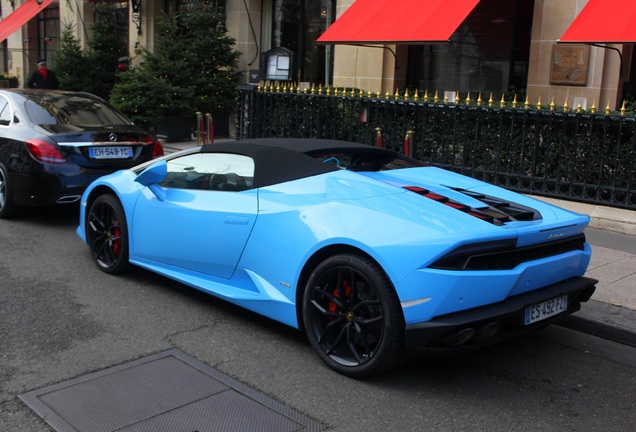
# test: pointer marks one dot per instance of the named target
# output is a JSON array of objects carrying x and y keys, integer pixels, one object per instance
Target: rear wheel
[
  {"x": 107, "y": 234},
  {"x": 8, "y": 208},
  {"x": 352, "y": 316}
]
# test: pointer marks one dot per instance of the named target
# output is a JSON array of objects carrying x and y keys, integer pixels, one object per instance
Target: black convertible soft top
[{"x": 278, "y": 160}]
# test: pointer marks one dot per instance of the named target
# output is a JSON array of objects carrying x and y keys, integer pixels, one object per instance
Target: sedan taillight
[
  {"x": 157, "y": 149},
  {"x": 44, "y": 151}
]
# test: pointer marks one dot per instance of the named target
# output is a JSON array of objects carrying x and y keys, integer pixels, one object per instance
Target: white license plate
[
  {"x": 546, "y": 309},
  {"x": 110, "y": 152}
]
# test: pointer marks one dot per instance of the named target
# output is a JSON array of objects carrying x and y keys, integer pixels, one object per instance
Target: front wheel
[
  {"x": 352, "y": 316},
  {"x": 107, "y": 234}
]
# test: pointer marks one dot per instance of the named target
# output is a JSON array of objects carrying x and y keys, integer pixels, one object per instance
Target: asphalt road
[{"x": 61, "y": 318}]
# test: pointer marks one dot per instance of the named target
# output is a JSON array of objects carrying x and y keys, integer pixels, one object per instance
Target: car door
[{"x": 204, "y": 221}]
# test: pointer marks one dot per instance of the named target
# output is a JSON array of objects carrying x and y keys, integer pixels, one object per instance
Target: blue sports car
[{"x": 374, "y": 255}]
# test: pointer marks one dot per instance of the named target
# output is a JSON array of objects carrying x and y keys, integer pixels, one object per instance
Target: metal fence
[{"x": 577, "y": 155}]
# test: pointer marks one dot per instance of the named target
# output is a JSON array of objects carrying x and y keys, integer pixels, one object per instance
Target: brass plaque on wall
[{"x": 569, "y": 64}]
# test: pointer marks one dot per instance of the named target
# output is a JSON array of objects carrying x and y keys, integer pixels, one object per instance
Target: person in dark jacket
[{"x": 43, "y": 77}]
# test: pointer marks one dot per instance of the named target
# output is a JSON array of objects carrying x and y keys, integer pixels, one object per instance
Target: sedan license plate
[
  {"x": 546, "y": 309},
  {"x": 110, "y": 152}
]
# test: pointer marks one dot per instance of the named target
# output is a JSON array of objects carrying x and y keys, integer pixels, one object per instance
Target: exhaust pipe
[
  {"x": 487, "y": 332},
  {"x": 458, "y": 338}
]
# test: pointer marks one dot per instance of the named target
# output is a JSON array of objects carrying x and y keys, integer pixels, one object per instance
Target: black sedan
[{"x": 53, "y": 144}]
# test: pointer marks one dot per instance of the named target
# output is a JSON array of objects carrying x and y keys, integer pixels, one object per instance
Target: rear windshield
[{"x": 73, "y": 111}]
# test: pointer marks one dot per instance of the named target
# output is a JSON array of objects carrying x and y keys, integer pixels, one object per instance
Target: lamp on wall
[
  {"x": 39, "y": 2},
  {"x": 136, "y": 14}
]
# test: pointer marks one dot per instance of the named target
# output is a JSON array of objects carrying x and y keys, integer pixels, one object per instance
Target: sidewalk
[{"x": 611, "y": 313}]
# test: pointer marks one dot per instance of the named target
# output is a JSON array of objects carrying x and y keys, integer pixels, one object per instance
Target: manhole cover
[{"x": 169, "y": 391}]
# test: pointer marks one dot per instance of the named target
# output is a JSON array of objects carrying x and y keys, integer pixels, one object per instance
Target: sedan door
[{"x": 204, "y": 221}]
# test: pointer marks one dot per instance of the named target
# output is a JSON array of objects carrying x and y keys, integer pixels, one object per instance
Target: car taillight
[
  {"x": 157, "y": 149},
  {"x": 44, "y": 151}
]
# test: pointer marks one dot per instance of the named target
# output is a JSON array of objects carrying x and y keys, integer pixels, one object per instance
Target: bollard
[
  {"x": 199, "y": 128},
  {"x": 379, "y": 137},
  {"x": 210, "y": 128},
  {"x": 408, "y": 140},
  {"x": 407, "y": 145}
]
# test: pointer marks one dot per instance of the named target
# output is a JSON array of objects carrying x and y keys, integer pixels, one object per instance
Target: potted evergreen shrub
[
  {"x": 192, "y": 69},
  {"x": 91, "y": 70},
  {"x": 149, "y": 100}
]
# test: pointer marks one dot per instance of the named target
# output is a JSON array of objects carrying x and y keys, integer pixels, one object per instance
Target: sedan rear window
[{"x": 73, "y": 111}]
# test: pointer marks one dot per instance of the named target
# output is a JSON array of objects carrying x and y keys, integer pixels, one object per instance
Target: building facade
[{"x": 501, "y": 47}]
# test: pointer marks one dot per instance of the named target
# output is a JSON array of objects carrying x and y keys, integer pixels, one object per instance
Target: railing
[{"x": 577, "y": 155}]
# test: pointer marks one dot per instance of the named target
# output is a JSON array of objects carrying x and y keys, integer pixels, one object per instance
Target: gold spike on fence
[{"x": 424, "y": 96}]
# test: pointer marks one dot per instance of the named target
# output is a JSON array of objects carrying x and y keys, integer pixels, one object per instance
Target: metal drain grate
[{"x": 169, "y": 391}]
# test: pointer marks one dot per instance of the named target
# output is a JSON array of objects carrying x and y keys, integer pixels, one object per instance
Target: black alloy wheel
[
  {"x": 352, "y": 316},
  {"x": 8, "y": 208},
  {"x": 107, "y": 234}
]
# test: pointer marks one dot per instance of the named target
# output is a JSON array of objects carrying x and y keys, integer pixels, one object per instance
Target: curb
[{"x": 607, "y": 321}]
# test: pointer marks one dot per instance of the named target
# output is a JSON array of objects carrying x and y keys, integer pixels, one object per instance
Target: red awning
[
  {"x": 398, "y": 22},
  {"x": 604, "y": 21},
  {"x": 20, "y": 17}
]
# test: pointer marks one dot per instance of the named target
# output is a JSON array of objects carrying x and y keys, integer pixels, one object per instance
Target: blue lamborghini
[{"x": 376, "y": 256}]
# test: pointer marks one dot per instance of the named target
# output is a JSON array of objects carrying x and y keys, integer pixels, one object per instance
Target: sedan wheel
[
  {"x": 7, "y": 207},
  {"x": 352, "y": 316},
  {"x": 107, "y": 234}
]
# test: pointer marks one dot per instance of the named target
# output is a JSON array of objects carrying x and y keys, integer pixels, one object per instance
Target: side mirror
[{"x": 153, "y": 175}]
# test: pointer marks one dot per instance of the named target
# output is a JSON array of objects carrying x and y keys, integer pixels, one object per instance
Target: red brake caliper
[
  {"x": 347, "y": 290},
  {"x": 117, "y": 242}
]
